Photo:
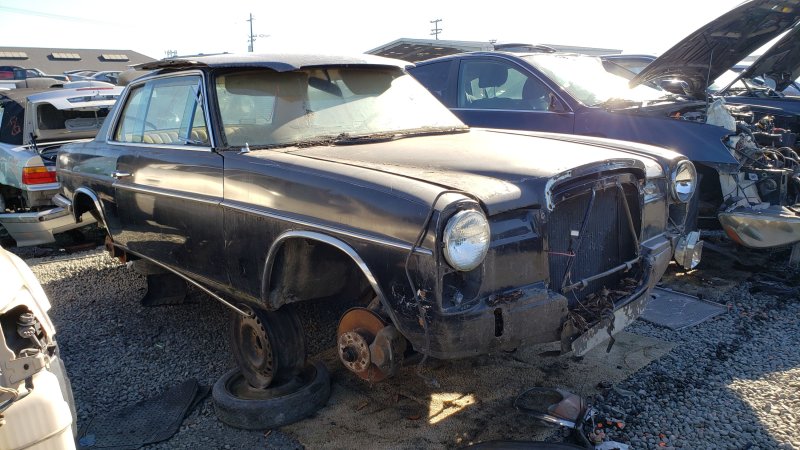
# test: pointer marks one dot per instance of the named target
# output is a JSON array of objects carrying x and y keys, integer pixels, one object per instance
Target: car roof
[
  {"x": 276, "y": 62},
  {"x": 517, "y": 55}
]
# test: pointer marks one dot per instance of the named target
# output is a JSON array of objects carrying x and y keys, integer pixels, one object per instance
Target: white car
[
  {"x": 37, "y": 410},
  {"x": 34, "y": 124}
]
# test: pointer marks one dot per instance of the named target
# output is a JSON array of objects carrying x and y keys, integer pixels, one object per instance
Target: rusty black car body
[{"x": 290, "y": 178}]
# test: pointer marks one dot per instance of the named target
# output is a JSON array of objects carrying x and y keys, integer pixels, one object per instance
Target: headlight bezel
[
  {"x": 677, "y": 195},
  {"x": 456, "y": 219}
]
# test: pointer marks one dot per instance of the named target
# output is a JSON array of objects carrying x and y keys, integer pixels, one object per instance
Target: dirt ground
[{"x": 455, "y": 403}]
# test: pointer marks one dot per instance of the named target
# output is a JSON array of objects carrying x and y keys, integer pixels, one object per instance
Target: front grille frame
[{"x": 607, "y": 249}]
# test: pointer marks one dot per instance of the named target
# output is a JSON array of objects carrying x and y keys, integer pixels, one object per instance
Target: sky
[{"x": 348, "y": 26}]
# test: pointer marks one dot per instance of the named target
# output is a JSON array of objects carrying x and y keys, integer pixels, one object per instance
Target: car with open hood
[
  {"x": 34, "y": 124},
  {"x": 272, "y": 180},
  {"x": 747, "y": 189}
]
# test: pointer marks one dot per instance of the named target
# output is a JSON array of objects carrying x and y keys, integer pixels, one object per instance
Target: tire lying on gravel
[{"x": 242, "y": 406}]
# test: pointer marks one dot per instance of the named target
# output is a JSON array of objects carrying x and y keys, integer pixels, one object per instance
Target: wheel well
[
  {"x": 305, "y": 269},
  {"x": 322, "y": 282},
  {"x": 82, "y": 203},
  {"x": 710, "y": 195}
]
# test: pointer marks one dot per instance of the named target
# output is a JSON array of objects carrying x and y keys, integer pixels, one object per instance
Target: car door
[
  {"x": 498, "y": 93},
  {"x": 169, "y": 195}
]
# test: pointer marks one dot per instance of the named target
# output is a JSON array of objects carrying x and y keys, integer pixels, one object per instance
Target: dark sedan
[
  {"x": 274, "y": 180},
  {"x": 748, "y": 189}
]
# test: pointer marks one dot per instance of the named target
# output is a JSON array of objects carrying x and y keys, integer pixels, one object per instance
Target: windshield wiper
[
  {"x": 349, "y": 139},
  {"x": 618, "y": 103}
]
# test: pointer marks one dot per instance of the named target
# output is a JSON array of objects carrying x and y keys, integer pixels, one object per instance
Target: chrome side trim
[
  {"x": 188, "y": 280},
  {"x": 332, "y": 241},
  {"x": 360, "y": 236},
  {"x": 194, "y": 148},
  {"x": 93, "y": 197},
  {"x": 168, "y": 193}
]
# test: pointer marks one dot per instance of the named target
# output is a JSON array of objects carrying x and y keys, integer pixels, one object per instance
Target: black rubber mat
[{"x": 152, "y": 420}]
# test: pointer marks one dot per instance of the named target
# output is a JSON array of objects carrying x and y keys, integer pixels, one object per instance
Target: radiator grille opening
[{"x": 606, "y": 242}]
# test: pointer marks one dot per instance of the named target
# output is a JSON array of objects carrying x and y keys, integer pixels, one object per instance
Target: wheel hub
[
  {"x": 354, "y": 351},
  {"x": 368, "y": 346}
]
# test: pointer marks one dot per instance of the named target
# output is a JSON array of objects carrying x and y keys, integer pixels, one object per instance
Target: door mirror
[{"x": 556, "y": 105}]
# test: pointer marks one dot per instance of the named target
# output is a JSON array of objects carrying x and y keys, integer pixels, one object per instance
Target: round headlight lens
[
  {"x": 466, "y": 240},
  {"x": 684, "y": 181}
]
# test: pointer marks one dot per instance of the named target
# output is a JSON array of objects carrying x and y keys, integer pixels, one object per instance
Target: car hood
[
  {"x": 716, "y": 47},
  {"x": 781, "y": 62},
  {"x": 505, "y": 169}
]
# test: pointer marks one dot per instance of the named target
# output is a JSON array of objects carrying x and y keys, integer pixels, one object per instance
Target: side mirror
[{"x": 555, "y": 104}]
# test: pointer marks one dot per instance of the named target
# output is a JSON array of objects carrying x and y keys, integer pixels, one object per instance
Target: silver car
[{"x": 34, "y": 124}]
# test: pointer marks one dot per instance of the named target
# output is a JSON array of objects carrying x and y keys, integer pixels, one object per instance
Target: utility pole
[
  {"x": 252, "y": 38},
  {"x": 436, "y": 30}
]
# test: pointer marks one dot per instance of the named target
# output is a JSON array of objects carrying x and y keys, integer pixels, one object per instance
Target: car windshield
[
  {"x": 586, "y": 79},
  {"x": 267, "y": 108}
]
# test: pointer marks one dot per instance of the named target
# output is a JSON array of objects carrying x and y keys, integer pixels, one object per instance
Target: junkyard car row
[{"x": 268, "y": 181}]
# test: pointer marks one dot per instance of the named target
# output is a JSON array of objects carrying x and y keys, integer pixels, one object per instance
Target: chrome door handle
[{"x": 117, "y": 174}]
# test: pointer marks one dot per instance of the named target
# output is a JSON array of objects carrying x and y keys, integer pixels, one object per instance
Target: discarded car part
[
  {"x": 676, "y": 310},
  {"x": 122, "y": 255},
  {"x": 689, "y": 250},
  {"x": 153, "y": 419},
  {"x": 240, "y": 405},
  {"x": 368, "y": 346},
  {"x": 36, "y": 404},
  {"x": 39, "y": 227},
  {"x": 773, "y": 226},
  {"x": 523, "y": 445},
  {"x": 164, "y": 289},
  {"x": 269, "y": 346},
  {"x": 554, "y": 406}
]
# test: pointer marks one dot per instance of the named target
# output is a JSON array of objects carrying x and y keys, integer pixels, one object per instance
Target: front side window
[
  {"x": 164, "y": 111},
  {"x": 497, "y": 85},
  {"x": 267, "y": 108}
]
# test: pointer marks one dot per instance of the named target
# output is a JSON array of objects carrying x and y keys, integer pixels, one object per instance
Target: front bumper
[
  {"x": 535, "y": 315},
  {"x": 36, "y": 228},
  {"x": 775, "y": 226}
]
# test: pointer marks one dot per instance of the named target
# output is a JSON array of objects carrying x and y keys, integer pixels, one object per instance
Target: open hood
[
  {"x": 780, "y": 63},
  {"x": 711, "y": 50}
]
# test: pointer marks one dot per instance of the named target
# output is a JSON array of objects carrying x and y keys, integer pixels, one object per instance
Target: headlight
[
  {"x": 466, "y": 240},
  {"x": 683, "y": 182}
]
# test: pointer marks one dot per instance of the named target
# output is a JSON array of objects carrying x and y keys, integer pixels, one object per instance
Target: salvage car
[
  {"x": 747, "y": 189},
  {"x": 271, "y": 180},
  {"x": 37, "y": 410},
  {"x": 34, "y": 124}
]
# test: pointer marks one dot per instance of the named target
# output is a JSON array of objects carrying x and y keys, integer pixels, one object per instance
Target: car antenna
[{"x": 33, "y": 142}]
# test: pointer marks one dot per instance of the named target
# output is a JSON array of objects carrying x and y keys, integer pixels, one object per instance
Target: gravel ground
[{"x": 730, "y": 383}]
